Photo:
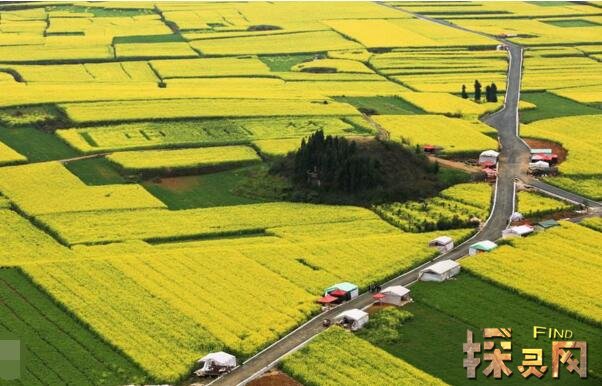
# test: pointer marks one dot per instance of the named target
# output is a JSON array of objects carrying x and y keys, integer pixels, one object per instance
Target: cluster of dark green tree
[
  {"x": 490, "y": 92},
  {"x": 338, "y": 170}
]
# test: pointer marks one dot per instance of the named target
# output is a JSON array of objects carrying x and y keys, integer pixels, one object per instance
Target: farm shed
[
  {"x": 216, "y": 363},
  {"x": 442, "y": 243},
  {"x": 396, "y": 295},
  {"x": 542, "y": 225},
  {"x": 481, "y": 246},
  {"x": 353, "y": 319},
  {"x": 344, "y": 291},
  {"x": 490, "y": 174},
  {"x": 440, "y": 271},
  {"x": 488, "y": 157},
  {"x": 517, "y": 231}
]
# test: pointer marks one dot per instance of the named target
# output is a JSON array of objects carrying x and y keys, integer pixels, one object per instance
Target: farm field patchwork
[
  {"x": 128, "y": 251},
  {"x": 454, "y": 135},
  {"x": 331, "y": 358},
  {"x": 574, "y": 246},
  {"x": 444, "y": 311}
]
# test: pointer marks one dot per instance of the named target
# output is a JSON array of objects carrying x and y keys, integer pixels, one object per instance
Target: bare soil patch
[
  {"x": 543, "y": 144},
  {"x": 274, "y": 378},
  {"x": 180, "y": 184}
]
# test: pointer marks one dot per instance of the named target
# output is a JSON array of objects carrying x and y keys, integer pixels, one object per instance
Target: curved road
[{"x": 513, "y": 164}]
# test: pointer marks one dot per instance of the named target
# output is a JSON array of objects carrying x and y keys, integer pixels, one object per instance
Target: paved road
[{"x": 513, "y": 164}]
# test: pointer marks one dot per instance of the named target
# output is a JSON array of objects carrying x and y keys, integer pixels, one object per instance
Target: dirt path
[{"x": 454, "y": 164}]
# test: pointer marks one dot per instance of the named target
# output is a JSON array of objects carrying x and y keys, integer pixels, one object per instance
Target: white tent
[
  {"x": 395, "y": 294},
  {"x": 443, "y": 243},
  {"x": 488, "y": 156},
  {"x": 354, "y": 318},
  {"x": 540, "y": 165},
  {"x": 440, "y": 271},
  {"x": 216, "y": 362},
  {"x": 516, "y": 216},
  {"x": 481, "y": 246}
]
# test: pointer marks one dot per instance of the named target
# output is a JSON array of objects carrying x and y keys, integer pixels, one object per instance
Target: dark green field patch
[
  {"x": 148, "y": 39},
  {"x": 56, "y": 348},
  {"x": 284, "y": 62},
  {"x": 432, "y": 340},
  {"x": 571, "y": 23},
  {"x": 202, "y": 191},
  {"x": 553, "y": 106},
  {"x": 102, "y": 12},
  {"x": 95, "y": 171},
  {"x": 381, "y": 105},
  {"x": 35, "y": 144}
]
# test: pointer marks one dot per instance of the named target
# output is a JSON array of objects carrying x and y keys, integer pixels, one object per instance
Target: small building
[
  {"x": 501, "y": 47},
  {"x": 352, "y": 319},
  {"x": 343, "y": 291},
  {"x": 543, "y": 225},
  {"x": 440, "y": 271},
  {"x": 396, "y": 295},
  {"x": 442, "y": 243},
  {"x": 429, "y": 148},
  {"x": 216, "y": 363},
  {"x": 488, "y": 158},
  {"x": 517, "y": 231},
  {"x": 481, "y": 246}
]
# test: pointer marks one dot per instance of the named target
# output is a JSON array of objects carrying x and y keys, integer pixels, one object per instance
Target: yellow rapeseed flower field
[
  {"x": 183, "y": 158},
  {"x": 49, "y": 187},
  {"x": 454, "y": 135},
  {"x": 9, "y": 156}
]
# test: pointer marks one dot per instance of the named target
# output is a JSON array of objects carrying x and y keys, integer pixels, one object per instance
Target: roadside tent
[
  {"x": 517, "y": 216},
  {"x": 353, "y": 319},
  {"x": 344, "y": 291},
  {"x": 547, "y": 224},
  {"x": 517, "y": 231},
  {"x": 216, "y": 363},
  {"x": 539, "y": 165},
  {"x": 440, "y": 271},
  {"x": 442, "y": 243},
  {"x": 396, "y": 295},
  {"x": 328, "y": 299},
  {"x": 488, "y": 156},
  {"x": 481, "y": 246}
]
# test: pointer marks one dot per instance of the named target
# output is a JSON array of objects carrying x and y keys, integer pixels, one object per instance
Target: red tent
[
  {"x": 378, "y": 296},
  {"x": 338, "y": 293},
  {"x": 327, "y": 299}
]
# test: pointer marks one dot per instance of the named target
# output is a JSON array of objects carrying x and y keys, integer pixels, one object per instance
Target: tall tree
[
  {"x": 488, "y": 93},
  {"x": 464, "y": 93},
  {"x": 493, "y": 92},
  {"x": 477, "y": 91}
]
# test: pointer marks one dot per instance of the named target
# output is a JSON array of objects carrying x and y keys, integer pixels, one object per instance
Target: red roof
[
  {"x": 489, "y": 172},
  {"x": 487, "y": 163},
  {"x": 327, "y": 299},
  {"x": 338, "y": 293},
  {"x": 378, "y": 296},
  {"x": 428, "y": 147}
]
